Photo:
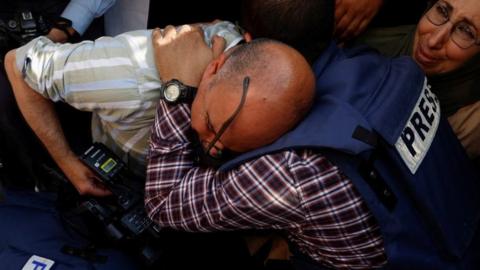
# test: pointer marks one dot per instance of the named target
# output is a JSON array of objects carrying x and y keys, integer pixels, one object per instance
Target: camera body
[
  {"x": 123, "y": 216},
  {"x": 20, "y": 27}
]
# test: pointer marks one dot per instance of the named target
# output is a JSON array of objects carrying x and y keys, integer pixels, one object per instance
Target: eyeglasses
[
  {"x": 228, "y": 122},
  {"x": 463, "y": 33}
]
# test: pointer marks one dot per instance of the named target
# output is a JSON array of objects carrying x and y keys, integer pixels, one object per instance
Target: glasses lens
[
  {"x": 438, "y": 14},
  {"x": 464, "y": 35}
]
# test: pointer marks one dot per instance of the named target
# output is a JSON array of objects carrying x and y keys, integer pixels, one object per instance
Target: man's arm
[
  {"x": 41, "y": 116},
  {"x": 182, "y": 195}
]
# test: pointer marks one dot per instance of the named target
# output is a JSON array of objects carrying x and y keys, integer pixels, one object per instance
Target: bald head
[{"x": 279, "y": 94}]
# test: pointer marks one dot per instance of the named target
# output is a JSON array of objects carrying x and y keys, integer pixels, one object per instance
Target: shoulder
[{"x": 290, "y": 162}]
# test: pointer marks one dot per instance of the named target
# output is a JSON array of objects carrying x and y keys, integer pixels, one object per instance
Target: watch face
[{"x": 172, "y": 92}]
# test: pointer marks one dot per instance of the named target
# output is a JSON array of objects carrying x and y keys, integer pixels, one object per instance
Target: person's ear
[
  {"x": 214, "y": 66},
  {"x": 247, "y": 36}
]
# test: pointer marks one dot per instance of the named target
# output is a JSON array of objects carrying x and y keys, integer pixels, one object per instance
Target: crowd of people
[{"x": 355, "y": 145}]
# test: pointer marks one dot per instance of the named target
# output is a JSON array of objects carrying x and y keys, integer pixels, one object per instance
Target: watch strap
[
  {"x": 187, "y": 93},
  {"x": 190, "y": 93},
  {"x": 64, "y": 25}
]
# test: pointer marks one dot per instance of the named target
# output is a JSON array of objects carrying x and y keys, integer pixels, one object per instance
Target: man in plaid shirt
[{"x": 247, "y": 99}]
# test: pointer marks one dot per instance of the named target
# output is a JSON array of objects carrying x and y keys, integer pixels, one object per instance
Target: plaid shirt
[{"x": 299, "y": 192}]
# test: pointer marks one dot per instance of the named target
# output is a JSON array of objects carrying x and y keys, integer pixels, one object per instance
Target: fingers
[
  {"x": 340, "y": 12},
  {"x": 362, "y": 27},
  {"x": 193, "y": 30},
  {"x": 342, "y": 25},
  {"x": 92, "y": 186},
  {"x": 350, "y": 29},
  {"x": 84, "y": 179},
  {"x": 185, "y": 29},
  {"x": 353, "y": 16},
  {"x": 218, "y": 45},
  {"x": 342, "y": 18},
  {"x": 164, "y": 36},
  {"x": 156, "y": 33},
  {"x": 169, "y": 33},
  {"x": 340, "y": 9},
  {"x": 97, "y": 188},
  {"x": 158, "y": 36}
]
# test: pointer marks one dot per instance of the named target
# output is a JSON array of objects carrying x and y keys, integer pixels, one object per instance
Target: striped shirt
[
  {"x": 299, "y": 192},
  {"x": 115, "y": 78}
]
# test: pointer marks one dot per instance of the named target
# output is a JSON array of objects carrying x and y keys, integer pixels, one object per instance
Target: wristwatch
[{"x": 174, "y": 92}]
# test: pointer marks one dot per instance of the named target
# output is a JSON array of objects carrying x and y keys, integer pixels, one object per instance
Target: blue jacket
[
  {"x": 33, "y": 235},
  {"x": 378, "y": 120}
]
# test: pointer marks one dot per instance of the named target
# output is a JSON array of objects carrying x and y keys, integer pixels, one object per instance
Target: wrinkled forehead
[{"x": 466, "y": 9}]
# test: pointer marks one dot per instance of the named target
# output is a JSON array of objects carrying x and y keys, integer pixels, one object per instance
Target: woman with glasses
[{"x": 445, "y": 44}]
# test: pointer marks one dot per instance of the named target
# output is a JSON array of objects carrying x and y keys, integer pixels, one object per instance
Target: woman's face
[{"x": 436, "y": 47}]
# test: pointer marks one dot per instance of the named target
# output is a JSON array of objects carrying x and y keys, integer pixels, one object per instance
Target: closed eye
[
  {"x": 466, "y": 31},
  {"x": 209, "y": 124}
]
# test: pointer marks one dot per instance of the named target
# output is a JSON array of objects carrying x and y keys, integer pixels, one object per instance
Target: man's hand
[
  {"x": 82, "y": 178},
  {"x": 57, "y": 35},
  {"x": 353, "y": 16},
  {"x": 182, "y": 54}
]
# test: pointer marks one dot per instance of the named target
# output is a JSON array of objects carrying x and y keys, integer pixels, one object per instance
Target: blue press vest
[
  {"x": 33, "y": 235},
  {"x": 378, "y": 121}
]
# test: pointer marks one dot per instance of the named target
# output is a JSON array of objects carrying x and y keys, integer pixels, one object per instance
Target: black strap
[
  {"x": 376, "y": 182},
  {"x": 368, "y": 171},
  {"x": 88, "y": 253},
  {"x": 362, "y": 134}
]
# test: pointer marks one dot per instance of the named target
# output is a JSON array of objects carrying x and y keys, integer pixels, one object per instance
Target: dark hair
[
  {"x": 250, "y": 57},
  {"x": 430, "y": 4},
  {"x": 306, "y": 25}
]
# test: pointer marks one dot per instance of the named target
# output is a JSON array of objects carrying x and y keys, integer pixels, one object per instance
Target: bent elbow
[
  {"x": 9, "y": 61},
  {"x": 11, "y": 67}
]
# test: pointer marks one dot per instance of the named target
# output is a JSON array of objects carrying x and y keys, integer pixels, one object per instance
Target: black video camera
[
  {"x": 123, "y": 216},
  {"x": 19, "y": 28}
]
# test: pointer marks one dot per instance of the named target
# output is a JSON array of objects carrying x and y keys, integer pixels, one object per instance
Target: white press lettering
[
  {"x": 419, "y": 125},
  {"x": 425, "y": 109},
  {"x": 38, "y": 263},
  {"x": 420, "y": 129}
]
